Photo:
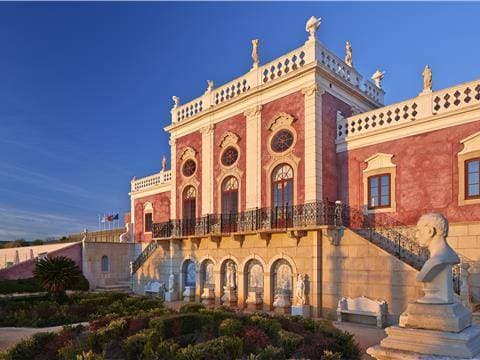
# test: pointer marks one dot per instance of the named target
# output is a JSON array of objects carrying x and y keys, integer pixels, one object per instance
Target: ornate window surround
[
  {"x": 281, "y": 121},
  {"x": 380, "y": 164},
  {"x": 236, "y": 173},
  {"x": 147, "y": 209},
  {"x": 188, "y": 153},
  {"x": 292, "y": 161},
  {"x": 471, "y": 150},
  {"x": 192, "y": 182},
  {"x": 229, "y": 139}
]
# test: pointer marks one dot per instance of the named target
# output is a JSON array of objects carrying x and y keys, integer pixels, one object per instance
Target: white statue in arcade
[
  {"x": 171, "y": 283},
  {"x": 300, "y": 289},
  {"x": 436, "y": 273},
  {"x": 126, "y": 236},
  {"x": 230, "y": 276}
]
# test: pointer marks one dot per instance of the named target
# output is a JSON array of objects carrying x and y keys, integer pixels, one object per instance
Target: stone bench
[
  {"x": 363, "y": 306},
  {"x": 155, "y": 288}
]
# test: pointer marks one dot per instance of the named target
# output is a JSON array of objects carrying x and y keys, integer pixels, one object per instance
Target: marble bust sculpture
[{"x": 436, "y": 273}]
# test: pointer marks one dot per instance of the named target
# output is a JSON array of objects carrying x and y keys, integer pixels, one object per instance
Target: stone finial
[
  {"x": 427, "y": 80},
  {"x": 210, "y": 85},
  {"x": 255, "y": 43},
  {"x": 377, "y": 77},
  {"x": 164, "y": 163},
  {"x": 312, "y": 26},
  {"x": 348, "y": 54},
  {"x": 176, "y": 101},
  {"x": 436, "y": 273}
]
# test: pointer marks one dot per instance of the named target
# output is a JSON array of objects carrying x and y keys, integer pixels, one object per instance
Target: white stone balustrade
[
  {"x": 294, "y": 60},
  {"x": 163, "y": 177},
  {"x": 423, "y": 106}
]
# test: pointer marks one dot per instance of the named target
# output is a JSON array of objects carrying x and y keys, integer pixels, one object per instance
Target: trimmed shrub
[
  {"x": 289, "y": 341},
  {"x": 29, "y": 348},
  {"x": 133, "y": 345},
  {"x": 254, "y": 339},
  {"x": 222, "y": 348},
  {"x": 271, "y": 353},
  {"x": 162, "y": 350},
  {"x": 29, "y": 285},
  {"x": 267, "y": 324},
  {"x": 230, "y": 327},
  {"x": 174, "y": 325},
  {"x": 328, "y": 355},
  {"x": 191, "y": 308}
]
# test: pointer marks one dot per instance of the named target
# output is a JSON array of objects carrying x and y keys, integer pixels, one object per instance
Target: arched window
[
  {"x": 230, "y": 195},
  {"x": 105, "y": 263},
  {"x": 229, "y": 204},
  {"x": 282, "y": 186},
  {"x": 189, "y": 202}
]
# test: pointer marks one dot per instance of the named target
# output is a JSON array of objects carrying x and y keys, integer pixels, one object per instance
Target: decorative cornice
[
  {"x": 229, "y": 138},
  {"x": 470, "y": 144},
  {"x": 188, "y": 153},
  {"x": 280, "y": 120},
  {"x": 311, "y": 90},
  {"x": 379, "y": 161},
  {"x": 252, "y": 112}
]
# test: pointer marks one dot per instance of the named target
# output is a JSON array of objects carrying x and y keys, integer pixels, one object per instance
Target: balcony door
[
  {"x": 189, "y": 206},
  {"x": 282, "y": 195},
  {"x": 229, "y": 204}
]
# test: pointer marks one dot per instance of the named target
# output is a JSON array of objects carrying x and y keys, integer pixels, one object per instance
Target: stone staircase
[{"x": 145, "y": 254}]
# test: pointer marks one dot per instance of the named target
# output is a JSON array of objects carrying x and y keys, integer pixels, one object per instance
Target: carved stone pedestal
[
  {"x": 189, "y": 294},
  {"x": 254, "y": 301},
  {"x": 171, "y": 296},
  {"x": 229, "y": 297},
  {"x": 208, "y": 296},
  {"x": 443, "y": 317},
  {"x": 409, "y": 344},
  {"x": 282, "y": 304},
  {"x": 301, "y": 310}
]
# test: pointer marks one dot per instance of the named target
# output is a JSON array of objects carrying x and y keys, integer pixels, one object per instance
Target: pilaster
[
  {"x": 313, "y": 142},
  {"x": 173, "y": 165},
  {"x": 207, "y": 169},
  {"x": 253, "y": 157},
  {"x": 316, "y": 280}
]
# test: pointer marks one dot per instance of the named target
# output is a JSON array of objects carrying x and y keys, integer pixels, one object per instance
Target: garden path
[
  {"x": 9, "y": 336},
  {"x": 365, "y": 335}
]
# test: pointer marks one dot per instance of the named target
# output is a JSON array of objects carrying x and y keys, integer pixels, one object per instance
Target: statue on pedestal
[
  {"x": 348, "y": 54},
  {"x": 164, "y": 163},
  {"x": 230, "y": 276},
  {"x": 255, "y": 43},
  {"x": 300, "y": 289},
  {"x": 377, "y": 77},
  {"x": 427, "y": 80},
  {"x": 125, "y": 237},
  {"x": 176, "y": 102},
  {"x": 171, "y": 283},
  {"x": 312, "y": 26}
]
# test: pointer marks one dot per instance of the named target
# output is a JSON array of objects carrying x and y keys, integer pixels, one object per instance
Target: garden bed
[{"x": 194, "y": 332}]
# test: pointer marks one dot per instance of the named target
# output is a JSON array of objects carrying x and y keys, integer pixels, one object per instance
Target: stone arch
[
  {"x": 221, "y": 270},
  {"x": 183, "y": 266},
  {"x": 256, "y": 257},
  {"x": 204, "y": 278},
  {"x": 227, "y": 257},
  {"x": 274, "y": 259},
  {"x": 254, "y": 278},
  {"x": 272, "y": 266}
]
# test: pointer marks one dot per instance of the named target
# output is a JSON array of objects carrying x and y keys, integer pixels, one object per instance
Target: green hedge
[{"x": 31, "y": 285}]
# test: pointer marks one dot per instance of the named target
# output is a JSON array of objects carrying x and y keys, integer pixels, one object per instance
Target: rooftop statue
[
  {"x": 210, "y": 85},
  {"x": 255, "y": 43},
  {"x": 312, "y": 26},
  {"x": 176, "y": 101},
  {"x": 348, "y": 54},
  {"x": 378, "y": 77},
  {"x": 427, "y": 79},
  {"x": 436, "y": 273},
  {"x": 164, "y": 163}
]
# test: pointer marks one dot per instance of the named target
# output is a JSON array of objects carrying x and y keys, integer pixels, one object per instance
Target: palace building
[{"x": 297, "y": 176}]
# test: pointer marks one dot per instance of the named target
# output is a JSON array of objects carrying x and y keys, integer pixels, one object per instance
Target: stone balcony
[
  {"x": 163, "y": 178},
  {"x": 311, "y": 53},
  {"x": 427, "y": 106}
]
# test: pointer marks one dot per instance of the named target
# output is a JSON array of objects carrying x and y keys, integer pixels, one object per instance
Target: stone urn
[
  {"x": 254, "y": 301},
  {"x": 189, "y": 294},
  {"x": 208, "y": 296}
]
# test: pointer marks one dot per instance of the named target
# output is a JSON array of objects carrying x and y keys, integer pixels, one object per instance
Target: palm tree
[{"x": 56, "y": 275}]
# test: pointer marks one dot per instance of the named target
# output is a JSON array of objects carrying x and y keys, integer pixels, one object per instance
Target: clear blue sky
[{"x": 85, "y": 88}]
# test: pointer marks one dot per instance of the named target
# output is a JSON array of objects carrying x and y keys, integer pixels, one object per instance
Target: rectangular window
[
  {"x": 472, "y": 179},
  {"x": 148, "y": 222},
  {"x": 379, "y": 189}
]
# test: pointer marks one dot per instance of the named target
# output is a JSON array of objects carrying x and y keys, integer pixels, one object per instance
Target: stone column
[
  {"x": 267, "y": 291},
  {"x": 173, "y": 188},
  {"x": 218, "y": 286},
  {"x": 207, "y": 169},
  {"x": 315, "y": 295},
  {"x": 313, "y": 143},
  {"x": 241, "y": 289},
  {"x": 253, "y": 157}
]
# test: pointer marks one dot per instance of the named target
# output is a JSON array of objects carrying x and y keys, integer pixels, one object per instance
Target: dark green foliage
[
  {"x": 56, "y": 275},
  {"x": 175, "y": 325},
  {"x": 20, "y": 286},
  {"x": 222, "y": 348},
  {"x": 230, "y": 327},
  {"x": 192, "y": 308},
  {"x": 289, "y": 341},
  {"x": 133, "y": 345},
  {"x": 29, "y": 348},
  {"x": 271, "y": 353},
  {"x": 270, "y": 325}
]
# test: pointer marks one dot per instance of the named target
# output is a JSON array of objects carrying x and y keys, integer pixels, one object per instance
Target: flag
[
  {"x": 115, "y": 217},
  {"x": 110, "y": 217},
  {"x": 103, "y": 219}
]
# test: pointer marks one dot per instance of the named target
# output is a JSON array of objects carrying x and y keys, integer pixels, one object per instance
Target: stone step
[
  {"x": 114, "y": 288},
  {"x": 476, "y": 318}
]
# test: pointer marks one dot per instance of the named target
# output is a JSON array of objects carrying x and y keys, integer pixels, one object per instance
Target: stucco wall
[
  {"x": 161, "y": 213},
  {"x": 426, "y": 174},
  {"x": 24, "y": 269},
  {"x": 119, "y": 256},
  {"x": 358, "y": 268}
]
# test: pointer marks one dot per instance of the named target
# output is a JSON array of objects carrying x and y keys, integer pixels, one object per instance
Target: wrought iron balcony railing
[{"x": 262, "y": 219}]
